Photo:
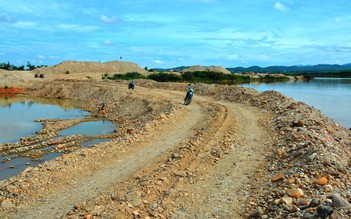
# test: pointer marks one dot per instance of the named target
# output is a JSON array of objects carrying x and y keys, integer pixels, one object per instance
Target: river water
[{"x": 332, "y": 96}]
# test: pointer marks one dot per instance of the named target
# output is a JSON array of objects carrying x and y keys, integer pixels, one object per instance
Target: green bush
[
  {"x": 166, "y": 77},
  {"x": 105, "y": 76},
  {"x": 273, "y": 78},
  {"x": 214, "y": 77},
  {"x": 127, "y": 76}
]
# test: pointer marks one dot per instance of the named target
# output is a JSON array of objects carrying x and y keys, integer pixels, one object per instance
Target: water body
[
  {"x": 99, "y": 127},
  {"x": 332, "y": 96},
  {"x": 18, "y": 114},
  {"x": 17, "y": 120}
]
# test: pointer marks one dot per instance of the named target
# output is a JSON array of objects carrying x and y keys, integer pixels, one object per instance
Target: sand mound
[
  {"x": 209, "y": 68},
  {"x": 14, "y": 77},
  {"x": 116, "y": 67}
]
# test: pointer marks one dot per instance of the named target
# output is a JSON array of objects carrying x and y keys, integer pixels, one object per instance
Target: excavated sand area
[{"x": 232, "y": 153}]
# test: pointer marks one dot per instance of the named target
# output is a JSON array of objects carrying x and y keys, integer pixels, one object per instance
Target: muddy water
[{"x": 17, "y": 121}]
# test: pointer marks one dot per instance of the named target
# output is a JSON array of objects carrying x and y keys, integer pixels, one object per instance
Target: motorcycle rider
[
  {"x": 190, "y": 85},
  {"x": 131, "y": 85},
  {"x": 190, "y": 92}
]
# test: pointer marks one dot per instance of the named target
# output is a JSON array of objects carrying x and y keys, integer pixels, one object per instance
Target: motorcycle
[
  {"x": 189, "y": 96},
  {"x": 131, "y": 85}
]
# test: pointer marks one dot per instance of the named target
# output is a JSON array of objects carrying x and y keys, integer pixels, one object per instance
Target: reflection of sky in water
[
  {"x": 17, "y": 118},
  {"x": 94, "y": 141},
  {"x": 20, "y": 164},
  {"x": 331, "y": 96},
  {"x": 90, "y": 128}
]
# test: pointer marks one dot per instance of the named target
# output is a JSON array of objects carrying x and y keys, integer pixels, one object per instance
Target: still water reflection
[
  {"x": 18, "y": 114},
  {"x": 99, "y": 127},
  {"x": 330, "y": 95}
]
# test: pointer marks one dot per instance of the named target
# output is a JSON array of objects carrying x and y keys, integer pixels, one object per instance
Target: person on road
[
  {"x": 131, "y": 85},
  {"x": 189, "y": 93},
  {"x": 190, "y": 85}
]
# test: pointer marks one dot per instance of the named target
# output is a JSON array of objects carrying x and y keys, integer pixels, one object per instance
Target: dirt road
[
  {"x": 191, "y": 163},
  {"x": 232, "y": 153}
]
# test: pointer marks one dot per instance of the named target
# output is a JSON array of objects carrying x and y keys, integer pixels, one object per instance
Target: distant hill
[
  {"x": 198, "y": 68},
  {"x": 321, "y": 68},
  {"x": 177, "y": 69},
  {"x": 297, "y": 69}
]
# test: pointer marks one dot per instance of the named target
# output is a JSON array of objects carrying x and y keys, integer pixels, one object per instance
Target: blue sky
[{"x": 172, "y": 33}]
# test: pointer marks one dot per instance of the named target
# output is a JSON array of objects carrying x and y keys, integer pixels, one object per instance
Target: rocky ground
[{"x": 232, "y": 153}]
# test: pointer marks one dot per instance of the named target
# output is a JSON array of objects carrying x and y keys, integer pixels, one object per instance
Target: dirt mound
[
  {"x": 209, "y": 68},
  {"x": 92, "y": 67},
  {"x": 8, "y": 78}
]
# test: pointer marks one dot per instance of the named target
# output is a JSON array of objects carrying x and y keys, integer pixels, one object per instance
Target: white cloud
[
  {"x": 54, "y": 57},
  {"x": 77, "y": 28},
  {"x": 107, "y": 42},
  {"x": 24, "y": 24},
  {"x": 41, "y": 57},
  {"x": 233, "y": 57},
  {"x": 159, "y": 62},
  {"x": 109, "y": 20},
  {"x": 281, "y": 7}
]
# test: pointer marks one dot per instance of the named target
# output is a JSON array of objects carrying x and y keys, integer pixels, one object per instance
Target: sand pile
[
  {"x": 209, "y": 68},
  {"x": 116, "y": 67},
  {"x": 8, "y": 78}
]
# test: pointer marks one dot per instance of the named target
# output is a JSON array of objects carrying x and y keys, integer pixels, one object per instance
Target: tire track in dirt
[
  {"x": 216, "y": 142},
  {"x": 223, "y": 191},
  {"x": 217, "y": 167},
  {"x": 223, "y": 166},
  {"x": 58, "y": 203}
]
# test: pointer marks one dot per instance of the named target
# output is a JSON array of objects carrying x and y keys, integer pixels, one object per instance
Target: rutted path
[
  {"x": 58, "y": 203},
  {"x": 224, "y": 189},
  {"x": 201, "y": 152}
]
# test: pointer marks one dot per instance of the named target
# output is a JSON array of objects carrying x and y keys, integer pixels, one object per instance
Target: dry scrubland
[{"x": 232, "y": 153}]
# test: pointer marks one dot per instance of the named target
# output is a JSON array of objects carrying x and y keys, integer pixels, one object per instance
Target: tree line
[{"x": 8, "y": 66}]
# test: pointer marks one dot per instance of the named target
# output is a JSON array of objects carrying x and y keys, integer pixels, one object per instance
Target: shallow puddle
[
  {"x": 92, "y": 128},
  {"x": 17, "y": 120},
  {"x": 17, "y": 165},
  {"x": 18, "y": 114},
  {"x": 94, "y": 141}
]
